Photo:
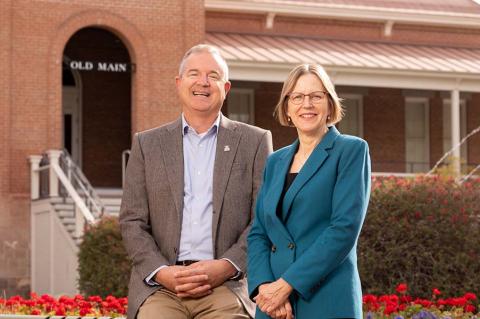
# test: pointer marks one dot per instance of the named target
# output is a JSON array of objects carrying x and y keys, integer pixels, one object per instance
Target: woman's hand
[
  {"x": 273, "y": 295},
  {"x": 283, "y": 312}
]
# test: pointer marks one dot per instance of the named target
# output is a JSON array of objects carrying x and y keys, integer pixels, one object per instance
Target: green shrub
[
  {"x": 422, "y": 231},
  {"x": 104, "y": 267}
]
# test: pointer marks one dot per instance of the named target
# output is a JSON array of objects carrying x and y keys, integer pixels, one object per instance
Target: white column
[
  {"x": 34, "y": 176},
  {"x": 53, "y": 156},
  {"x": 455, "y": 118}
]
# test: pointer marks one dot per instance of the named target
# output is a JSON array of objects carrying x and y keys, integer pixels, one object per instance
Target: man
[{"x": 188, "y": 202}]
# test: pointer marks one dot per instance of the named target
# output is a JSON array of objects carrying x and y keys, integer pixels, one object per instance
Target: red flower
[
  {"x": 95, "y": 299},
  {"x": 83, "y": 312},
  {"x": 401, "y": 288},
  {"x": 470, "y": 308},
  {"x": 391, "y": 308},
  {"x": 436, "y": 292},
  {"x": 470, "y": 296},
  {"x": 35, "y": 312},
  {"x": 369, "y": 299}
]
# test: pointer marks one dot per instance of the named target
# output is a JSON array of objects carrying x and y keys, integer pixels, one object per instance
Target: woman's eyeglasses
[{"x": 314, "y": 97}]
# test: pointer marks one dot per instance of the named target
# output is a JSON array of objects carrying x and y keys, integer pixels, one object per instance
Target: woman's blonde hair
[{"x": 334, "y": 102}]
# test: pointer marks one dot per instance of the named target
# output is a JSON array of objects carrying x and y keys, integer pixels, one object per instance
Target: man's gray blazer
[{"x": 152, "y": 203}]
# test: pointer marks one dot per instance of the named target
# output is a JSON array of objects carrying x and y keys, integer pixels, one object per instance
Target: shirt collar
[{"x": 187, "y": 127}]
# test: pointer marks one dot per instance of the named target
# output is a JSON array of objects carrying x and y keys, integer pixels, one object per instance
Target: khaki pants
[{"x": 222, "y": 303}]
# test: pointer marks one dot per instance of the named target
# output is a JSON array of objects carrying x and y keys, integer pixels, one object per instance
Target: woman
[{"x": 302, "y": 246}]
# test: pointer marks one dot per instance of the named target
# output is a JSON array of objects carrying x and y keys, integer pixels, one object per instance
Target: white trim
[
  {"x": 426, "y": 150},
  {"x": 365, "y": 77},
  {"x": 347, "y": 12},
  {"x": 447, "y": 104},
  {"x": 77, "y": 119}
]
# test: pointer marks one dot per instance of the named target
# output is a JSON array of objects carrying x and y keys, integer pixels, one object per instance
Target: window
[
  {"x": 352, "y": 122},
  {"x": 241, "y": 105},
  {"x": 447, "y": 128},
  {"x": 417, "y": 145}
]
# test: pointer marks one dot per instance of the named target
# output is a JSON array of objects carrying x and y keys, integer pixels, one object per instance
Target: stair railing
[
  {"x": 81, "y": 184},
  {"x": 73, "y": 182}
]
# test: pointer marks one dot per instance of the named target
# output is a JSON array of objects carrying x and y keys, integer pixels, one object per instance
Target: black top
[{"x": 288, "y": 181}]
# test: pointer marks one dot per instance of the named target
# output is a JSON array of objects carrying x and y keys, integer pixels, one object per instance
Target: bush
[
  {"x": 104, "y": 267},
  {"x": 424, "y": 231}
]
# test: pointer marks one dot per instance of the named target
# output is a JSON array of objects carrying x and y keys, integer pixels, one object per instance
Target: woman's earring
[
  {"x": 328, "y": 118},
  {"x": 289, "y": 120}
]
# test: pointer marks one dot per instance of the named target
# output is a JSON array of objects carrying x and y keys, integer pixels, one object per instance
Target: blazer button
[
  {"x": 274, "y": 248},
  {"x": 291, "y": 245}
]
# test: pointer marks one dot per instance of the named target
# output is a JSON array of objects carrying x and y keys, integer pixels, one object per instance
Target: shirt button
[{"x": 291, "y": 245}]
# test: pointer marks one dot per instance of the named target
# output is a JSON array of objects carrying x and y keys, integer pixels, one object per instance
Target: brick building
[{"x": 85, "y": 76}]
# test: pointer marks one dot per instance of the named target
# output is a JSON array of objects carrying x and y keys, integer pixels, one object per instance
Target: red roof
[{"x": 338, "y": 53}]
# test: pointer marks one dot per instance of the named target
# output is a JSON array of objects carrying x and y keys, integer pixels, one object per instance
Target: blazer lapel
[
  {"x": 314, "y": 162},
  {"x": 272, "y": 198},
  {"x": 172, "y": 144},
  {"x": 228, "y": 139}
]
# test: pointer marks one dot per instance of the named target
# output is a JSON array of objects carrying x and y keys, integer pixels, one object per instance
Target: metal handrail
[{"x": 81, "y": 184}]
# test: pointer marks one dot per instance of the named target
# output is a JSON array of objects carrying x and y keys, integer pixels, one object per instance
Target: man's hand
[
  {"x": 196, "y": 285},
  {"x": 272, "y": 295},
  {"x": 215, "y": 273}
]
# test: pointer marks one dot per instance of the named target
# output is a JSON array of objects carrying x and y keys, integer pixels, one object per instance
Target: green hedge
[
  {"x": 104, "y": 267},
  {"x": 422, "y": 231}
]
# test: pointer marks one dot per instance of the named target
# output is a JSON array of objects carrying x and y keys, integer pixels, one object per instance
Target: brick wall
[
  {"x": 33, "y": 35},
  {"x": 473, "y": 121}
]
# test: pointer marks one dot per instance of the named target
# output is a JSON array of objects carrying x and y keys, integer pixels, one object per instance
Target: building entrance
[{"x": 97, "y": 77}]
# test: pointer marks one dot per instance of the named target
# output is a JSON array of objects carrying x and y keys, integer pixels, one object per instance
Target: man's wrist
[{"x": 233, "y": 272}]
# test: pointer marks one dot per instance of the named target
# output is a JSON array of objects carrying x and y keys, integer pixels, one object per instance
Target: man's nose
[{"x": 204, "y": 80}]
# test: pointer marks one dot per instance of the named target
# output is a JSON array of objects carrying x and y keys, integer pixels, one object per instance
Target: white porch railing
[{"x": 61, "y": 168}]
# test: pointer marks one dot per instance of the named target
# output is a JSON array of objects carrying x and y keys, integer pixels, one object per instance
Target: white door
[{"x": 72, "y": 123}]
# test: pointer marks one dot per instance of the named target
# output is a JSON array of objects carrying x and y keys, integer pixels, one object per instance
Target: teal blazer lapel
[
  {"x": 272, "y": 198},
  {"x": 311, "y": 166}
]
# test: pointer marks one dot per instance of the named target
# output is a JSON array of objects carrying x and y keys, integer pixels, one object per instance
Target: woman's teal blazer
[{"x": 313, "y": 244}]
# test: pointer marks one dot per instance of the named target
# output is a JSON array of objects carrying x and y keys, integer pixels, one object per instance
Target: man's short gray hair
[{"x": 213, "y": 50}]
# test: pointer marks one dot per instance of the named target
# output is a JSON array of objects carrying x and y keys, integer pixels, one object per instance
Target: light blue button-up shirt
[{"x": 198, "y": 161}]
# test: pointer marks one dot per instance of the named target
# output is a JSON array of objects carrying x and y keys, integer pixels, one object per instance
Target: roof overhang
[
  {"x": 345, "y": 11},
  {"x": 362, "y": 77},
  {"x": 270, "y": 58}
]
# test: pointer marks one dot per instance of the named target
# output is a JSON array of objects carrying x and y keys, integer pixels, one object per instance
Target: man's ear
[
  {"x": 177, "y": 81},
  {"x": 227, "y": 87}
]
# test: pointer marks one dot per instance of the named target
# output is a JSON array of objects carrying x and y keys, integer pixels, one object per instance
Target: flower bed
[
  {"x": 395, "y": 306},
  {"x": 402, "y": 306},
  {"x": 46, "y": 305}
]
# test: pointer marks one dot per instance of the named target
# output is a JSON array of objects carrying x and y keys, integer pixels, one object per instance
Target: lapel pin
[{"x": 226, "y": 148}]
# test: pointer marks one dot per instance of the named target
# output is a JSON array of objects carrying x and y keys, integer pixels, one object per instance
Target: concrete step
[
  {"x": 61, "y": 200},
  {"x": 66, "y": 214},
  {"x": 68, "y": 220},
  {"x": 64, "y": 207},
  {"x": 70, "y": 227}
]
